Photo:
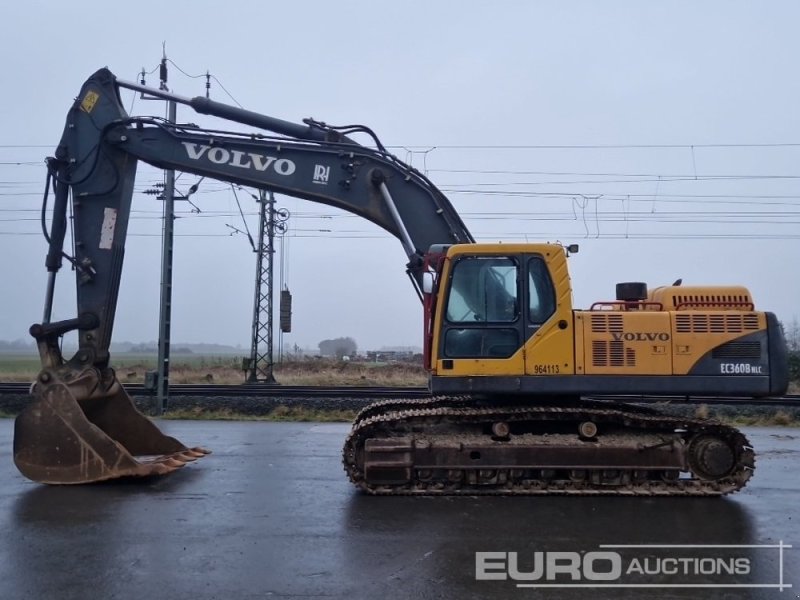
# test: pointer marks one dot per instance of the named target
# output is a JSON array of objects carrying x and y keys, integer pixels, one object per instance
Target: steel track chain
[{"x": 387, "y": 418}]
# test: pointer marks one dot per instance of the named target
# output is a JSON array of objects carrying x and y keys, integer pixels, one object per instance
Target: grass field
[{"x": 190, "y": 368}]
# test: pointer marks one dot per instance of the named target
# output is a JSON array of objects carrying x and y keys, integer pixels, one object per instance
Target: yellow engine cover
[{"x": 704, "y": 298}]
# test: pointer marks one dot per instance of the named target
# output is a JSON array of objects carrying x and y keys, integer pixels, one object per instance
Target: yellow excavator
[{"x": 522, "y": 382}]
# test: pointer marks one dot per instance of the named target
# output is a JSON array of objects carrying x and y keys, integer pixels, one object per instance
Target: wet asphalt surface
[{"x": 271, "y": 515}]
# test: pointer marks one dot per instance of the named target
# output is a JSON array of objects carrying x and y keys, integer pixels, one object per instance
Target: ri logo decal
[{"x": 321, "y": 174}]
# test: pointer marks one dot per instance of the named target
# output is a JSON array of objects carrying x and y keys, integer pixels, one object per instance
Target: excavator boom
[{"x": 81, "y": 425}]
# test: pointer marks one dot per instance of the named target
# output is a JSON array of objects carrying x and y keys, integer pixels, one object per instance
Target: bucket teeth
[
  {"x": 61, "y": 439},
  {"x": 184, "y": 457},
  {"x": 172, "y": 463},
  {"x": 198, "y": 452}
]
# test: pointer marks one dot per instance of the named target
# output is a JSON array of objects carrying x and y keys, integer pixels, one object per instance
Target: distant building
[{"x": 392, "y": 356}]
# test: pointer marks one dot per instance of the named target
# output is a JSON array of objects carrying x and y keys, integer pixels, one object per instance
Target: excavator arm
[{"x": 81, "y": 425}]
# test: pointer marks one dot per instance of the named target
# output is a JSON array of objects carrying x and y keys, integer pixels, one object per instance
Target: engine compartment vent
[
  {"x": 734, "y": 350},
  {"x": 612, "y": 354},
  {"x": 708, "y": 298},
  {"x": 715, "y": 323},
  {"x": 605, "y": 323},
  {"x": 717, "y": 301}
]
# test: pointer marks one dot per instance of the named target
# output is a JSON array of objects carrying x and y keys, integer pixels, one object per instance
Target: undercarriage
[{"x": 464, "y": 446}]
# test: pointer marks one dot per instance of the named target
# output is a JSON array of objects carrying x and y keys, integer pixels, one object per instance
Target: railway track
[
  {"x": 260, "y": 390},
  {"x": 366, "y": 392}
]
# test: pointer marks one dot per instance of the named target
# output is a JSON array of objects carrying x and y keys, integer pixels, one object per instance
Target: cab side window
[{"x": 541, "y": 293}]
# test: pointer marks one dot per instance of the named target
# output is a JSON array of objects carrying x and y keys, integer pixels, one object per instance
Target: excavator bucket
[{"x": 60, "y": 440}]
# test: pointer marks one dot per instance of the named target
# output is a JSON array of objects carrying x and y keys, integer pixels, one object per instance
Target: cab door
[
  {"x": 483, "y": 329},
  {"x": 549, "y": 328}
]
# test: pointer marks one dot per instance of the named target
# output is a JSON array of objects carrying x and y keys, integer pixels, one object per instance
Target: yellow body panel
[
  {"x": 479, "y": 367},
  {"x": 656, "y": 342},
  {"x": 624, "y": 342},
  {"x": 697, "y": 333}
]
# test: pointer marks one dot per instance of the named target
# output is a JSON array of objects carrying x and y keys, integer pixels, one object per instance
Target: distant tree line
[
  {"x": 338, "y": 348},
  {"x": 17, "y": 346},
  {"x": 151, "y": 349}
]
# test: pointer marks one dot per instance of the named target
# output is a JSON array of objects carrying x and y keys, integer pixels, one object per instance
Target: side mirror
[{"x": 428, "y": 282}]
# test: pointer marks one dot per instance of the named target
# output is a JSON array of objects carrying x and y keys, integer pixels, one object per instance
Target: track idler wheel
[
  {"x": 711, "y": 457},
  {"x": 61, "y": 440}
]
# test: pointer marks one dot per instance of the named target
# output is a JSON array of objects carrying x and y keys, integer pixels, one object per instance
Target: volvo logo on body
[
  {"x": 237, "y": 158},
  {"x": 640, "y": 336}
]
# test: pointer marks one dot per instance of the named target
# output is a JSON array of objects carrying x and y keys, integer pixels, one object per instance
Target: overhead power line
[
  {"x": 604, "y": 174},
  {"x": 588, "y": 146},
  {"x": 207, "y": 75},
  {"x": 659, "y": 178},
  {"x": 520, "y": 146},
  {"x": 494, "y": 236}
]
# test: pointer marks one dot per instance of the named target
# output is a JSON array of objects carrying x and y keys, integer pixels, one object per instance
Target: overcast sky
[{"x": 664, "y": 138}]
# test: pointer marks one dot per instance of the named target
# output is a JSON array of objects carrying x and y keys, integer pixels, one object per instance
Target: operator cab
[{"x": 491, "y": 299}]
